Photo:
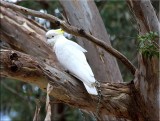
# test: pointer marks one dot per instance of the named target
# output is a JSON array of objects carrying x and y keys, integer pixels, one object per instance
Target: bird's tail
[{"x": 91, "y": 89}]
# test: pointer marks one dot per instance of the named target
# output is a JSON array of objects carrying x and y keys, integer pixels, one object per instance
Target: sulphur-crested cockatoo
[{"x": 71, "y": 57}]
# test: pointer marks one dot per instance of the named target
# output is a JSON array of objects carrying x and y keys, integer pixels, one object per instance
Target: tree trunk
[{"x": 148, "y": 80}]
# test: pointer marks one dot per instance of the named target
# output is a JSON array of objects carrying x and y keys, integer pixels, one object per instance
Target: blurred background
[{"x": 19, "y": 100}]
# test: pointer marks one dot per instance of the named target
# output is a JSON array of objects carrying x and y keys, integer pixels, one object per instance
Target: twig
[
  {"x": 73, "y": 30},
  {"x": 156, "y": 44}
]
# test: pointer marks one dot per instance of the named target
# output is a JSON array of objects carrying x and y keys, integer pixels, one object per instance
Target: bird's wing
[
  {"x": 74, "y": 48},
  {"x": 73, "y": 44},
  {"x": 71, "y": 56}
]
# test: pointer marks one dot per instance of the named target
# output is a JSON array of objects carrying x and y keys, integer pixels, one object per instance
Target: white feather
[{"x": 72, "y": 57}]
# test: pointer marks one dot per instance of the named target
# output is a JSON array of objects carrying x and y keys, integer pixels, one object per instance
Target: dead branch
[
  {"x": 116, "y": 97},
  {"x": 73, "y": 30}
]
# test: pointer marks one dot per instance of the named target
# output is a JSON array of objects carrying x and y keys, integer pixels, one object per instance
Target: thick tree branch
[
  {"x": 117, "y": 98},
  {"x": 25, "y": 35},
  {"x": 73, "y": 30}
]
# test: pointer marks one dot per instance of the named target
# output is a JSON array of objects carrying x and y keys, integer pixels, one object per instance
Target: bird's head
[{"x": 52, "y": 36}]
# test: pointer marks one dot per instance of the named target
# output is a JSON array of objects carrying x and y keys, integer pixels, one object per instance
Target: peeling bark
[
  {"x": 116, "y": 97},
  {"x": 148, "y": 80}
]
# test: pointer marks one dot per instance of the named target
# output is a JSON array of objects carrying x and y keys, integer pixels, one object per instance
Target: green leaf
[{"x": 146, "y": 45}]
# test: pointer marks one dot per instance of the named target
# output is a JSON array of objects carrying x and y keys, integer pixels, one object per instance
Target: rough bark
[
  {"x": 148, "y": 80},
  {"x": 25, "y": 35},
  {"x": 84, "y": 14},
  {"x": 118, "y": 98}
]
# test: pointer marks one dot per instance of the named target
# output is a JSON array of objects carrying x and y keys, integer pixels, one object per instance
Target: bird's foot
[{"x": 67, "y": 71}]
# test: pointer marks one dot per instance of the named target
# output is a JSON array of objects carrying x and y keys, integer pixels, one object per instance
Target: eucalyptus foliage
[{"x": 147, "y": 44}]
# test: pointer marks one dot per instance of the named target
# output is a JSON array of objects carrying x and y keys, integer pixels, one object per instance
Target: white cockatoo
[{"x": 71, "y": 57}]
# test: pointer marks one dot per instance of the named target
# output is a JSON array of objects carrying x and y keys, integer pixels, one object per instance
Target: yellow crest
[{"x": 59, "y": 31}]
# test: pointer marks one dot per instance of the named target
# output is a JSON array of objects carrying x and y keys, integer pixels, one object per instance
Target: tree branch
[
  {"x": 73, "y": 30},
  {"x": 25, "y": 35},
  {"x": 116, "y": 97}
]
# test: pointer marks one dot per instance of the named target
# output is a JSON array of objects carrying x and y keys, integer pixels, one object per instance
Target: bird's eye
[{"x": 52, "y": 36}]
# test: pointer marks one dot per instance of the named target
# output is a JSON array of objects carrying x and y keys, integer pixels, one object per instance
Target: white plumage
[{"x": 71, "y": 57}]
